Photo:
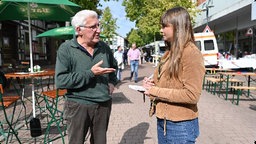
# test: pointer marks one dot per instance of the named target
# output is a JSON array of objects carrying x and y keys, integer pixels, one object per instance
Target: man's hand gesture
[{"x": 97, "y": 70}]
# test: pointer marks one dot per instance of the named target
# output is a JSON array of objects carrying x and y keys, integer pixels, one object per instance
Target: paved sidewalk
[{"x": 221, "y": 122}]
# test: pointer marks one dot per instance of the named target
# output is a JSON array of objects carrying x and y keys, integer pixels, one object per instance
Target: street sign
[
  {"x": 249, "y": 32},
  {"x": 207, "y": 29}
]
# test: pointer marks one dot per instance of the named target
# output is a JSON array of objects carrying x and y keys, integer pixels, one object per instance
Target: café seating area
[
  {"x": 35, "y": 98},
  {"x": 230, "y": 84}
]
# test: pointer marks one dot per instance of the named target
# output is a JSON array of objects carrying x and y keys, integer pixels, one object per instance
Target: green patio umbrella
[
  {"x": 67, "y": 32},
  {"x": 59, "y": 32},
  {"x": 48, "y": 10}
]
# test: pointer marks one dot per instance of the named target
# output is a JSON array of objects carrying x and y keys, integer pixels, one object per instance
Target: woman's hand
[{"x": 147, "y": 84}]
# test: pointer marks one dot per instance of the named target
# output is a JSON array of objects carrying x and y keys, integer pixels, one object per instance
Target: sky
[{"x": 117, "y": 11}]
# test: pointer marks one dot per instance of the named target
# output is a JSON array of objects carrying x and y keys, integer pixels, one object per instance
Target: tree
[
  {"x": 108, "y": 25},
  {"x": 135, "y": 37},
  {"x": 90, "y": 4},
  {"x": 146, "y": 14}
]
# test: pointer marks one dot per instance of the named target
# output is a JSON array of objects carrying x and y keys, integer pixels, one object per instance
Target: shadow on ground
[
  {"x": 252, "y": 107},
  {"x": 118, "y": 98},
  {"x": 138, "y": 134}
]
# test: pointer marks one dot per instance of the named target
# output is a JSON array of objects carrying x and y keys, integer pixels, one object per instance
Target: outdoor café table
[
  {"x": 231, "y": 74},
  {"x": 25, "y": 75},
  {"x": 216, "y": 70},
  {"x": 214, "y": 73}
]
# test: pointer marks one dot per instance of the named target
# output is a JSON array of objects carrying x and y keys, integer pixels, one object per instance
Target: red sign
[
  {"x": 207, "y": 29},
  {"x": 249, "y": 32}
]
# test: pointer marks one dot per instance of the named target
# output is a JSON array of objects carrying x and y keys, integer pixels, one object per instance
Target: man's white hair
[{"x": 80, "y": 17}]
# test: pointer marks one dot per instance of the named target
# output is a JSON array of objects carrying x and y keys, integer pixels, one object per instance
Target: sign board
[
  {"x": 249, "y": 32},
  {"x": 207, "y": 29}
]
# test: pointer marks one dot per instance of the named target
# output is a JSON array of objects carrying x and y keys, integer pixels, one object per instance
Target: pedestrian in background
[
  {"x": 134, "y": 60},
  {"x": 85, "y": 66},
  {"x": 125, "y": 61},
  {"x": 118, "y": 55},
  {"x": 177, "y": 82}
]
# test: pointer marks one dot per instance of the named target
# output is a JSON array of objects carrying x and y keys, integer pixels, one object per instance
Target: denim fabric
[
  {"x": 119, "y": 73},
  {"x": 134, "y": 68},
  {"x": 183, "y": 132}
]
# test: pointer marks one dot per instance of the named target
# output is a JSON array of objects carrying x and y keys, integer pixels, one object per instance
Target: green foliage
[
  {"x": 108, "y": 24},
  {"x": 146, "y": 14},
  {"x": 90, "y": 4},
  {"x": 135, "y": 37}
]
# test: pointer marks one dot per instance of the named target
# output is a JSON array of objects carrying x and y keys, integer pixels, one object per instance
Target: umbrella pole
[
  {"x": 30, "y": 41},
  {"x": 31, "y": 60}
]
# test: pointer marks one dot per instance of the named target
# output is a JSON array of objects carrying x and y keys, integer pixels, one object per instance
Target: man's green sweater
[{"x": 73, "y": 72}]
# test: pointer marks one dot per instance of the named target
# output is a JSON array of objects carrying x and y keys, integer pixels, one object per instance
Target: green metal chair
[
  {"x": 7, "y": 102},
  {"x": 55, "y": 115}
]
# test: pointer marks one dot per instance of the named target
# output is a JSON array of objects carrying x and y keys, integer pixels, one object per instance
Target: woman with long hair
[{"x": 176, "y": 86}]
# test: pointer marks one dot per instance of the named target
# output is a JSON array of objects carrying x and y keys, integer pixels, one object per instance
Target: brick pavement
[{"x": 221, "y": 122}]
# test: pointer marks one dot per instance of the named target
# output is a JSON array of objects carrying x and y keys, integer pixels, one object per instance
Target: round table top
[{"x": 29, "y": 74}]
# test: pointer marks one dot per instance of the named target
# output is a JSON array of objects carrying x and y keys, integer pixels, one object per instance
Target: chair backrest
[
  {"x": 54, "y": 93},
  {"x": 25, "y": 63},
  {"x": 25, "y": 66},
  {"x": 3, "y": 79},
  {"x": 1, "y": 95},
  {"x": 1, "y": 89}
]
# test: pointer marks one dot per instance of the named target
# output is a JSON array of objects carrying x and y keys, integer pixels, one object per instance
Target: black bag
[
  {"x": 35, "y": 127},
  {"x": 3, "y": 79}
]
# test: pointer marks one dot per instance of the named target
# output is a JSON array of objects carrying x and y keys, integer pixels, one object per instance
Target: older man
[
  {"x": 85, "y": 66},
  {"x": 134, "y": 58}
]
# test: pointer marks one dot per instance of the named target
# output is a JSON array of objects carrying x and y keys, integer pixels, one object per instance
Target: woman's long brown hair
[{"x": 179, "y": 18}]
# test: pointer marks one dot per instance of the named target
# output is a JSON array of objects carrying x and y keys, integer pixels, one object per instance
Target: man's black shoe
[{"x": 131, "y": 76}]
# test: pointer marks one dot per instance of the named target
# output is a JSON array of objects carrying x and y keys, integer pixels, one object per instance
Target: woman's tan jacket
[{"x": 179, "y": 98}]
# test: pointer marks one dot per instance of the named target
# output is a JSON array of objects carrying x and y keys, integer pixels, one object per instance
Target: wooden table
[
  {"x": 30, "y": 75},
  {"x": 230, "y": 74},
  {"x": 216, "y": 70},
  {"x": 24, "y": 75}
]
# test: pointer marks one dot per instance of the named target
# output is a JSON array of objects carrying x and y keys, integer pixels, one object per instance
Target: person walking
[
  {"x": 176, "y": 85},
  {"x": 134, "y": 60},
  {"x": 85, "y": 66},
  {"x": 118, "y": 55},
  {"x": 125, "y": 61}
]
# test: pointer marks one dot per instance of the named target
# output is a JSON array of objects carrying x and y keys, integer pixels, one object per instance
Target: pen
[
  {"x": 144, "y": 97},
  {"x": 150, "y": 77}
]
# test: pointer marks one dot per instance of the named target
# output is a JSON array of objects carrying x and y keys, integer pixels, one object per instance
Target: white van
[{"x": 207, "y": 44}]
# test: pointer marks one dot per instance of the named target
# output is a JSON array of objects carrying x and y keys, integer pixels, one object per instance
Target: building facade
[
  {"x": 14, "y": 43},
  {"x": 231, "y": 21},
  {"x": 118, "y": 40}
]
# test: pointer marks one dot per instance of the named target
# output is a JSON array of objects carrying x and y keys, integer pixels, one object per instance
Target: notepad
[{"x": 137, "y": 88}]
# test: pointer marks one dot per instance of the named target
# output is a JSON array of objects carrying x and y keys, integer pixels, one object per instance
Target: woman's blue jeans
[{"x": 182, "y": 132}]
